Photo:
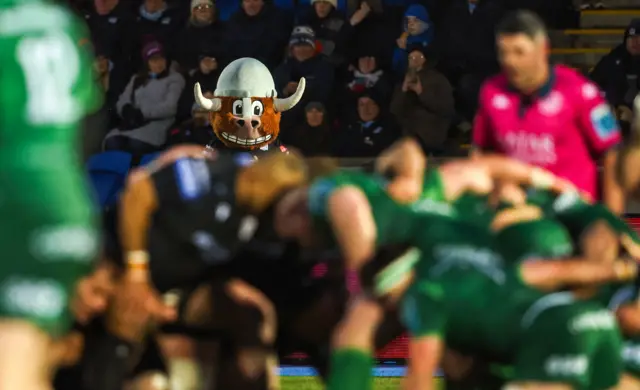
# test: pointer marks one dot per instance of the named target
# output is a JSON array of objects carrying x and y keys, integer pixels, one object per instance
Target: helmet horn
[
  {"x": 288, "y": 103},
  {"x": 208, "y": 104}
]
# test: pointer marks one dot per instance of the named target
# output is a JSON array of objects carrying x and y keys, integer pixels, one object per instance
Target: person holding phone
[{"x": 423, "y": 102}]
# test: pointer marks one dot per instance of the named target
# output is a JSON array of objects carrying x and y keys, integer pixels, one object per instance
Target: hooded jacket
[
  {"x": 615, "y": 71},
  {"x": 424, "y": 38}
]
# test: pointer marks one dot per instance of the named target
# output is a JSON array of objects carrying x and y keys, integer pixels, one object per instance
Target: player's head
[
  {"x": 260, "y": 184},
  {"x": 523, "y": 48}
]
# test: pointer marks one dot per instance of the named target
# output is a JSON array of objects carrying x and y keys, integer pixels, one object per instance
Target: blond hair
[{"x": 262, "y": 183}]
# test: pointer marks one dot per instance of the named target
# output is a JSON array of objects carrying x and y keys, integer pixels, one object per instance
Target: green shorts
[
  {"x": 44, "y": 254},
  {"x": 576, "y": 343}
]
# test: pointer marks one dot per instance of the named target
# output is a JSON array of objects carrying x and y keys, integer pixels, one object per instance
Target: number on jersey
[{"x": 51, "y": 67}]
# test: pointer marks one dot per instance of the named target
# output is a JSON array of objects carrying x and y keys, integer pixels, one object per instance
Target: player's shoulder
[{"x": 571, "y": 82}]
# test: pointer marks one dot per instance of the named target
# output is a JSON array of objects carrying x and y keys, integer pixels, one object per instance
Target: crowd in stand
[{"x": 375, "y": 69}]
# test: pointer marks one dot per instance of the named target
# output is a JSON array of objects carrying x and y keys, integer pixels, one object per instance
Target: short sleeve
[
  {"x": 595, "y": 120},
  {"x": 421, "y": 311},
  {"x": 483, "y": 137}
]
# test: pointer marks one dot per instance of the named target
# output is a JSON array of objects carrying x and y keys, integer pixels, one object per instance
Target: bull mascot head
[{"x": 245, "y": 110}]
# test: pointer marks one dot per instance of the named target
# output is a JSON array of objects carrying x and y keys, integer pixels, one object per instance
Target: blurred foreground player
[{"x": 47, "y": 233}]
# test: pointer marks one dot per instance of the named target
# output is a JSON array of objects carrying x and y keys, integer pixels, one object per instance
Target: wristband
[
  {"x": 541, "y": 178},
  {"x": 623, "y": 270},
  {"x": 138, "y": 264}
]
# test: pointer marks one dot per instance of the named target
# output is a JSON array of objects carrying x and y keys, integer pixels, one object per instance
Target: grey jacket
[{"x": 158, "y": 102}]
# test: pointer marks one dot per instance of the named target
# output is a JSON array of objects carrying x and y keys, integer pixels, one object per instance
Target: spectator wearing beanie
[
  {"x": 370, "y": 133},
  {"x": 313, "y": 137},
  {"x": 203, "y": 33},
  {"x": 148, "y": 105},
  {"x": 423, "y": 102},
  {"x": 303, "y": 61}
]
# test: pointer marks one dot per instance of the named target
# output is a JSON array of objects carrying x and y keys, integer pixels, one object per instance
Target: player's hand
[
  {"x": 92, "y": 293},
  {"x": 625, "y": 269},
  {"x": 632, "y": 247},
  {"x": 134, "y": 307},
  {"x": 624, "y": 113}
]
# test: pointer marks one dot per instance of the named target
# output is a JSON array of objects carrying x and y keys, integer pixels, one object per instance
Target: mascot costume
[{"x": 245, "y": 110}]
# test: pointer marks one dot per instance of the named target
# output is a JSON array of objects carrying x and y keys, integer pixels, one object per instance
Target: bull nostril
[
  {"x": 254, "y": 124},
  {"x": 240, "y": 122}
]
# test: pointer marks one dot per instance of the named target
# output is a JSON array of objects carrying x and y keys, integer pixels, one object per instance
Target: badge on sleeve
[{"x": 603, "y": 121}]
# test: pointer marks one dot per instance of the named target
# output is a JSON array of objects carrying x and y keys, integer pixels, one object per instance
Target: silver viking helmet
[{"x": 245, "y": 78}]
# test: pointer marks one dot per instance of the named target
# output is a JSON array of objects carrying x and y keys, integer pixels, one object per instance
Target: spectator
[
  {"x": 196, "y": 130},
  {"x": 365, "y": 76},
  {"x": 112, "y": 78},
  {"x": 111, "y": 24},
  {"x": 423, "y": 102},
  {"x": 201, "y": 34},
  {"x": 148, "y": 105},
  {"x": 618, "y": 72},
  {"x": 157, "y": 21},
  {"x": 303, "y": 62},
  {"x": 417, "y": 31},
  {"x": 467, "y": 40},
  {"x": 313, "y": 137},
  {"x": 332, "y": 29},
  {"x": 370, "y": 133},
  {"x": 257, "y": 30},
  {"x": 207, "y": 75}
]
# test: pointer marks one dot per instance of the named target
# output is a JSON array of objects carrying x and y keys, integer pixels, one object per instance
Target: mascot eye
[
  {"x": 237, "y": 108},
  {"x": 257, "y": 108}
]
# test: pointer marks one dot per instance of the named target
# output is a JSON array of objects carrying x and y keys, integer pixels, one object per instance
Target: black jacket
[
  {"x": 358, "y": 139},
  {"x": 611, "y": 75}
]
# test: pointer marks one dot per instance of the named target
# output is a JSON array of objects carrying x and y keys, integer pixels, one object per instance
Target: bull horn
[
  {"x": 208, "y": 104},
  {"x": 636, "y": 113},
  {"x": 288, "y": 103}
]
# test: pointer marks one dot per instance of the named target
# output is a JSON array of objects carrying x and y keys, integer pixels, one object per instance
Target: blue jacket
[{"x": 424, "y": 39}]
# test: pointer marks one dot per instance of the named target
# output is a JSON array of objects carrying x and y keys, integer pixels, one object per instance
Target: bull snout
[{"x": 254, "y": 123}]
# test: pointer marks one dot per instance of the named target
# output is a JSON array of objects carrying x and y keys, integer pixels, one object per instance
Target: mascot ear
[
  {"x": 208, "y": 104},
  {"x": 288, "y": 103}
]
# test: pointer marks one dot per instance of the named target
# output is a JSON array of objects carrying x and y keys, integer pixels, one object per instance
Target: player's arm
[
  {"x": 628, "y": 176},
  {"x": 138, "y": 202},
  {"x": 479, "y": 175},
  {"x": 353, "y": 225},
  {"x": 407, "y": 162},
  {"x": 628, "y": 316},
  {"x": 550, "y": 274},
  {"x": 600, "y": 130}
]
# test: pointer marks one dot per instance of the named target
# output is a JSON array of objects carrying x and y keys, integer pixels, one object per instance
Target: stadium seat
[
  {"x": 107, "y": 173},
  {"x": 608, "y": 18}
]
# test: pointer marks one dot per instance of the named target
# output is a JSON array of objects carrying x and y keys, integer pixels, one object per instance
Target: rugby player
[
  {"x": 182, "y": 219},
  {"x": 48, "y": 232}
]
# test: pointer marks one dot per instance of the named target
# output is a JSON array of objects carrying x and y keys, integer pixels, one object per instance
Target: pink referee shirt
[{"x": 565, "y": 127}]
